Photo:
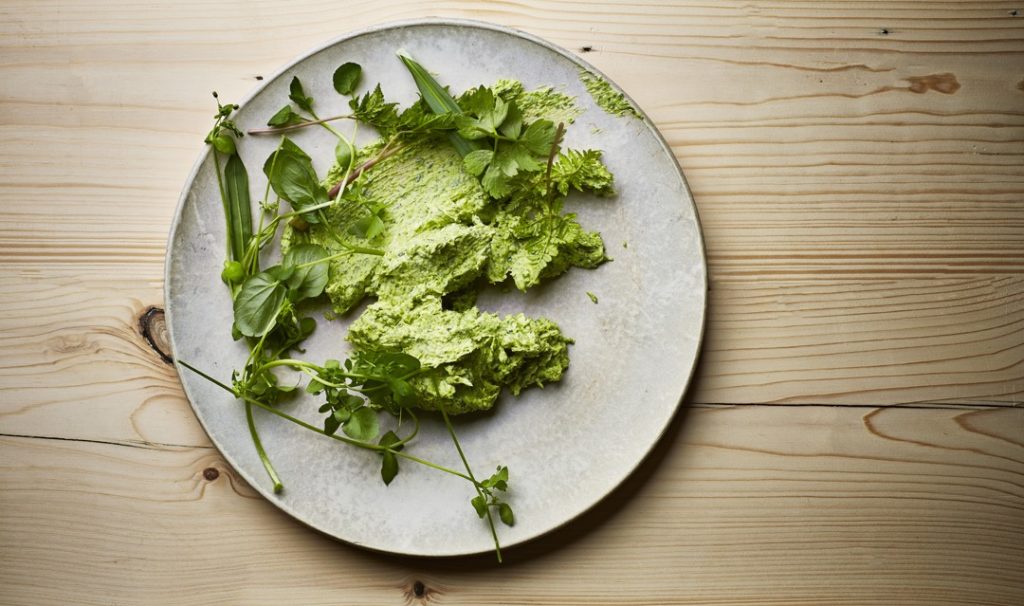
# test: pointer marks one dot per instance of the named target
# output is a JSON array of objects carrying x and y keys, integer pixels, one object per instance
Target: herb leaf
[
  {"x": 298, "y": 96},
  {"x": 346, "y": 78},
  {"x": 236, "y": 185},
  {"x": 362, "y": 425},
  {"x": 310, "y": 271},
  {"x": 285, "y": 116},
  {"x": 291, "y": 174},
  {"x": 389, "y": 466},
  {"x": 258, "y": 304}
]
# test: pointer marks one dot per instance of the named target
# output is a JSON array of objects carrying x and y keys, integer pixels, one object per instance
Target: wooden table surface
[{"x": 855, "y": 433}]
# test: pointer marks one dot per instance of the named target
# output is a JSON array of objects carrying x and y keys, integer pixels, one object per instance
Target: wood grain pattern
[
  {"x": 859, "y": 171},
  {"x": 881, "y": 505}
]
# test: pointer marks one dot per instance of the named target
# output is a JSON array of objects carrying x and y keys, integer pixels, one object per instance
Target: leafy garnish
[
  {"x": 346, "y": 78},
  {"x": 298, "y": 95}
]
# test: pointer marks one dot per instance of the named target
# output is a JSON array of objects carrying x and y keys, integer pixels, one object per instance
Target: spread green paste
[{"x": 443, "y": 239}]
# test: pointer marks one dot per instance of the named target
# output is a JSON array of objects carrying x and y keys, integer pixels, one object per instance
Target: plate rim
[{"x": 476, "y": 24}]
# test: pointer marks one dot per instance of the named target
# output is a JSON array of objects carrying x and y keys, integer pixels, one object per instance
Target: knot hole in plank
[{"x": 154, "y": 330}]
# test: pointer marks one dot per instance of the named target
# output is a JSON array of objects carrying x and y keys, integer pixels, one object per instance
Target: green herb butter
[
  {"x": 607, "y": 98},
  {"x": 443, "y": 238}
]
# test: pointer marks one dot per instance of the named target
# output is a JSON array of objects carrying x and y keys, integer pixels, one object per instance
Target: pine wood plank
[{"x": 767, "y": 505}]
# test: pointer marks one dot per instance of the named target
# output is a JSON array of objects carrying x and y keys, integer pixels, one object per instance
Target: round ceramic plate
[{"x": 567, "y": 445}]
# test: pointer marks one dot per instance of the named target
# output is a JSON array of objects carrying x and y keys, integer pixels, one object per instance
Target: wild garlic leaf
[
  {"x": 298, "y": 96},
  {"x": 239, "y": 206},
  {"x": 310, "y": 271},
  {"x": 362, "y": 425},
  {"x": 258, "y": 304},
  {"x": 346, "y": 78}
]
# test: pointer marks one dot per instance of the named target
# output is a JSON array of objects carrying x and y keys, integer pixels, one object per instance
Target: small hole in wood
[
  {"x": 419, "y": 589},
  {"x": 587, "y": 49},
  {"x": 259, "y": 77},
  {"x": 211, "y": 473},
  {"x": 884, "y": 31}
]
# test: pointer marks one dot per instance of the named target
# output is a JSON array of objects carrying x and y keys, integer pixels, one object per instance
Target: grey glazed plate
[{"x": 568, "y": 445}]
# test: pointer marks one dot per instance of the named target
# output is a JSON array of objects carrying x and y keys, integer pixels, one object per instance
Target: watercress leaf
[
  {"x": 310, "y": 271},
  {"x": 346, "y": 78},
  {"x": 331, "y": 425},
  {"x": 480, "y": 505},
  {"x": 307, "y": 326},
  {"x": 362, "y": 425},
  {"x": 400, "y": 363},
  {"x": 388, "y": 467},
  {"x": 477, "y": 161},
  {"x": 298, "y": 96},
  {"x": 506, "y": 515},
  {"x": 332, "y": 364},
  {"x": 342, "y": 415},
  {"x": 257, "y": 304},
  {"x": 239, "y": 207},
  {"x": 390, "y": 439},
  {"x": 402, "y": 392},
  {"x": 324, "y": 407},
  {"x": 224, "y": 144}
]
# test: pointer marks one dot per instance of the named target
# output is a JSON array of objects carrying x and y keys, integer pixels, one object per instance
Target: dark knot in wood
[{"x": 154, "y": 330}]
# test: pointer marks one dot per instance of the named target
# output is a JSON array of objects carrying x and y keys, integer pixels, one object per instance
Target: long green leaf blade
[
  {"x": 438, "y": 100},
  {"x": 239, "y": 208}
]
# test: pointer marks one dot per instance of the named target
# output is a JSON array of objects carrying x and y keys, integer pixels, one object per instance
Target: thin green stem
[
  {"x": 278, "y": 486},
  {"x": 283, "y": 129},
  {"x": 479, "y": 490},
  {"x": 314, "y": 428}
]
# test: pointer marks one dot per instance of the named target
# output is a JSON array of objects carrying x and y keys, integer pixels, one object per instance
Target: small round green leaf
[
  {"x": 346, "y": 78},
  {"x": 362, "y": 425}
]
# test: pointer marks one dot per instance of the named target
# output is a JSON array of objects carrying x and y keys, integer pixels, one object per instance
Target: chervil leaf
[
  {"x": 298, "y": 96},
  {"x": 583, "y": 171},
  {"x": 346, "y": 78}
]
